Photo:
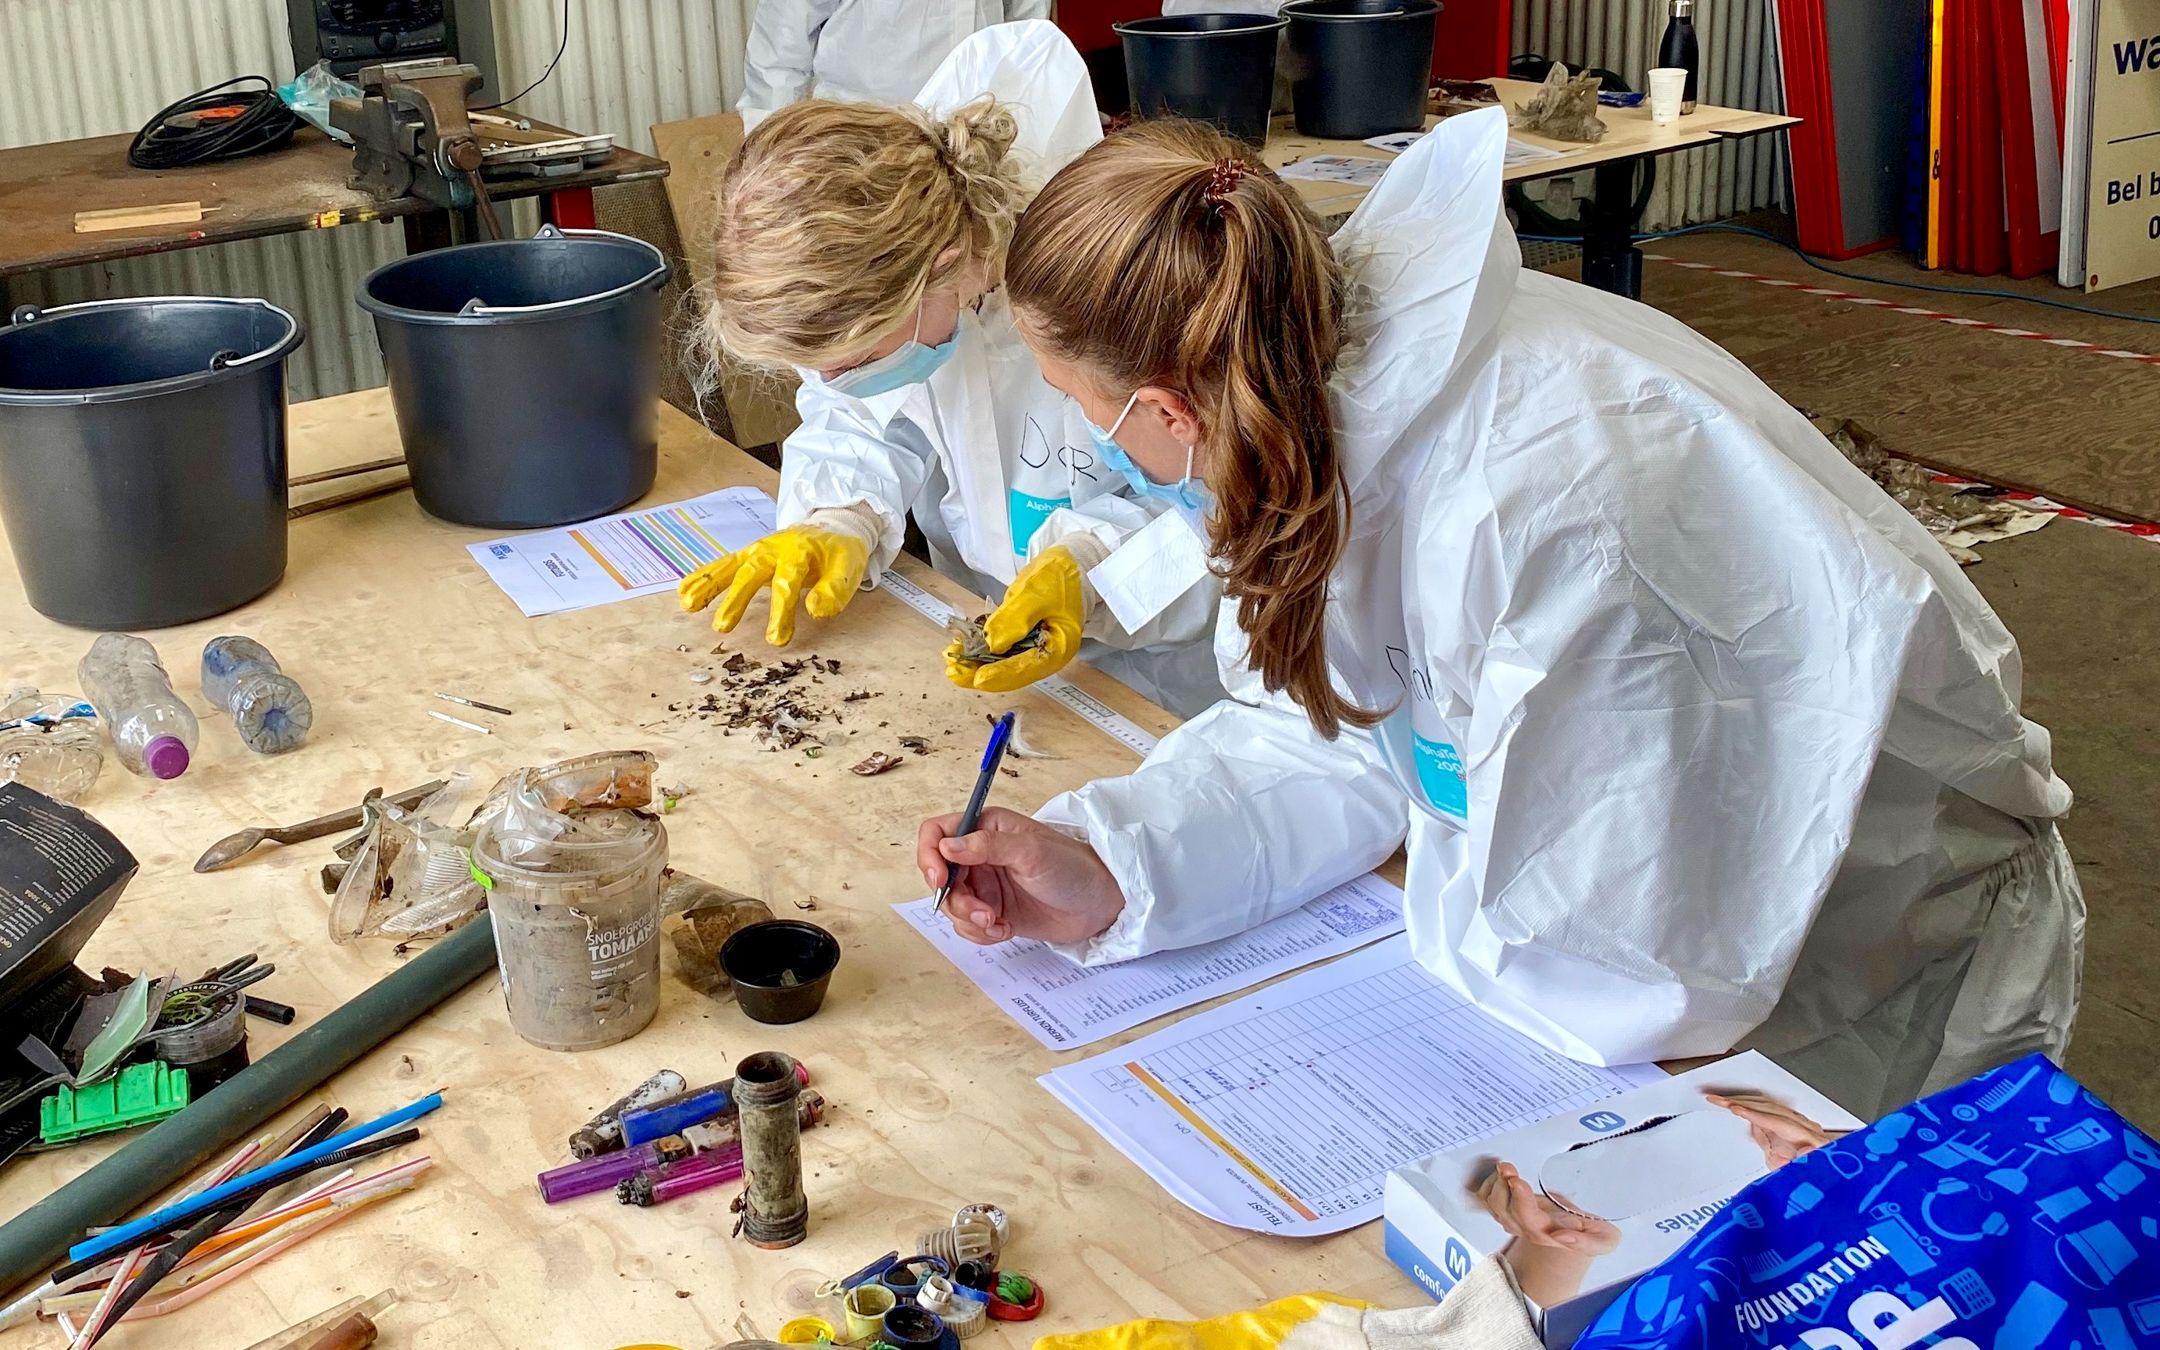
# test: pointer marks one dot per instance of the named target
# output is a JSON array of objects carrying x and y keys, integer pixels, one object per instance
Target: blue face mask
[
  {"x": 1189, "y": 497},
  {"x": 909, "y": 363}
]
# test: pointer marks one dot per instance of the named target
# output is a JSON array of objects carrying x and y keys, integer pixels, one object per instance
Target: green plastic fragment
[
  {"x": 140, "y": 1094},
  {"x": 131, "y": 1017}
]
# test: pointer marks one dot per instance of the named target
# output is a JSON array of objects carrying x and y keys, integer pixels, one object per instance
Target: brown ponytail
[{"x": 1167, "y": 255}]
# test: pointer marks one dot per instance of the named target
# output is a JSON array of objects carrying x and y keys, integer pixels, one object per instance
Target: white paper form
[
  {"x": 1358, "y": 170},
  {"x": 1518, "y": 152},
  {"x": 623, "y": 556},
  {"x": 1284, "y": 1111},
  {"x": 1067, "y": 1005}
]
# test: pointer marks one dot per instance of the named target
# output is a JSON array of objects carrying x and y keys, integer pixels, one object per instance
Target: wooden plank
[
  {"x": 932, "y": 1103},
  {"x": 134, "y": 217},
  {"x": 301, "y": 187},
  {"x": 697, "y": 149},
  {"x": 1628, "y": 132}
]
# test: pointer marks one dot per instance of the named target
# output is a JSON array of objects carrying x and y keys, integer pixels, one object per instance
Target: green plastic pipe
[{"x": 146, "y": 1166}]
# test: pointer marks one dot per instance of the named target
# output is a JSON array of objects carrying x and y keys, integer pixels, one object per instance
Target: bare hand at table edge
[
  {"x": 1017, "y": 877},
  {"x": 1550, "y": 1249},
  {"x": 1781, "y": 1132},
  {"x": 1530, "y": 1216}
]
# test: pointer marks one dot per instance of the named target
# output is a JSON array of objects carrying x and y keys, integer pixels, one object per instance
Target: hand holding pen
[{"x": 1000, "y": 875}]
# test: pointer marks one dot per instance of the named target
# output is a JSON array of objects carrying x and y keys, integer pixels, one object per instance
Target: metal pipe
[{"x": 776, "y": 1212}]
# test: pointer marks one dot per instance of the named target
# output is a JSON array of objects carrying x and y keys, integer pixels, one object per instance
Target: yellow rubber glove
[
  {"x": 820, "y": 568},
  {"x": 1261, "y": 1328},
  {"x": 1046, "y": 591}
]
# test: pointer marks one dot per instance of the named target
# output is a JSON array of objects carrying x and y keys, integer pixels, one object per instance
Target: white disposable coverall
[
  {"x": 995, "y": 463},
  {"x": 863, "y": 51},
  {"x": 1697, "y": 738}
]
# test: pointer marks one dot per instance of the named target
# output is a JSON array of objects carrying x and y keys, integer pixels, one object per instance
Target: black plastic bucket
[
  {"x": 525, "y": 374},
  {"x": 1360, "y": 68},
  {"x": 1216, "y": 68},
  {"x": 142, "y": 456}
]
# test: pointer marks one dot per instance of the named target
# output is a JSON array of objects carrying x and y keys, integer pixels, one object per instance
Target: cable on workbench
[
  {"x": 212, "y": 125},
  {"x": 560, "y": 47}
]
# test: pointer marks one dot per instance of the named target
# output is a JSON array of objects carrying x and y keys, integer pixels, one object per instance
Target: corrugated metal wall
[
  {"x": 1740, "y": 70},
  {"x": 73, "y": 68}
]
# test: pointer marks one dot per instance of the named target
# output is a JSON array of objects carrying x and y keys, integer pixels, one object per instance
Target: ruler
[{"x": 1056, "y": 688}]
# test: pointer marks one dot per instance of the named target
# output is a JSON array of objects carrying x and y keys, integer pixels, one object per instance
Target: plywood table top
[
  {"x": 932, "y": 1096},
  {"x": 1629, "y": 133}
]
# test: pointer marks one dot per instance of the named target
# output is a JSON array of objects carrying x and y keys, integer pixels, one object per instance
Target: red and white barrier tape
[
  {"x": 2031, "y": 501},
  {"x": 1916, "y": 311}
]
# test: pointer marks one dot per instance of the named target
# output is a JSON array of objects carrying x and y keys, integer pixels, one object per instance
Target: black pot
[
  {"x": 780, "y": 968},
  {"x": 1360, "y": 68},
  {"x": 1217, "y": 68}
]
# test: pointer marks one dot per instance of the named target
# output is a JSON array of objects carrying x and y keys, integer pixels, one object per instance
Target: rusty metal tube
[{"x": 776, "y": 1212}]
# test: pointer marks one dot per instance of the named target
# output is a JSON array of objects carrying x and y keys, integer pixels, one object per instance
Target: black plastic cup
[
  {"x": 1359, "y": 68},
  {"x": 780, "y": 969},
  {"x": 1217, "y": 68}
]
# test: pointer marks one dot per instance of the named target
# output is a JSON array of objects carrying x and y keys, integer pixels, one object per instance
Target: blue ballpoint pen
[{"x": 1000, "y": 733}]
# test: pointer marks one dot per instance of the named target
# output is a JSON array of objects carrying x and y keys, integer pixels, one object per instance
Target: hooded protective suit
[
  {"x": 1697, "y": 738},
  {"x": 995, "y": 463},
  {"x": 862, "y": 51}
]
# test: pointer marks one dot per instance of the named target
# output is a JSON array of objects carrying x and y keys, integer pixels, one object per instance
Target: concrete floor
[{"x": 2083, "y": 601}]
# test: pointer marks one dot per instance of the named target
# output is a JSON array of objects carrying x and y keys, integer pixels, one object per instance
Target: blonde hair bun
[
  {"x": 979, "y": 135},
  {"x": 835, "y": 218}
]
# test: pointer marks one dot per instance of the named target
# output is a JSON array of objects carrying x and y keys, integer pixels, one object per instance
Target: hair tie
[{"x": 1223, "y": 180}]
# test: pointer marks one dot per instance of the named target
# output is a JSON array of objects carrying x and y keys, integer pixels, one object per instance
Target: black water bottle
[{"x": 1679, "y": 49}]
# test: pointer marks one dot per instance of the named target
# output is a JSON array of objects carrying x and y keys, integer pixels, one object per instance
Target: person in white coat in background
[
  {"x": 862, "y": 246},
  {"x": 1697, "y": 739},
  {"x": 858, "y": 51}
]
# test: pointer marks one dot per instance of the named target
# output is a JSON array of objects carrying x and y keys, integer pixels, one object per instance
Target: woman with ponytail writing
[
  {"x": 862, "y": 247},
  {"x": 1696, "y": 739}
]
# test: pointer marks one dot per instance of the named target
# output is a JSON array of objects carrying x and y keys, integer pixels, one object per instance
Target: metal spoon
[{"x": 233, "y": 847}]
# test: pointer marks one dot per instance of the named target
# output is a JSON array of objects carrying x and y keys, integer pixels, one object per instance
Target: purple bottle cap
[{"x": 166, "y": 757}]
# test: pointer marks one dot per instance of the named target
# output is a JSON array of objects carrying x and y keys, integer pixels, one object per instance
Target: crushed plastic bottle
[
  {"x": 50, "y": 742},
  {"x": 151, "y": 729},
  {"x": 268, "y": 707}
]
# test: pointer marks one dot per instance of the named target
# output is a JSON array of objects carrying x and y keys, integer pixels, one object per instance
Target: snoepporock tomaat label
[{"x": 2014, "y": 1210}]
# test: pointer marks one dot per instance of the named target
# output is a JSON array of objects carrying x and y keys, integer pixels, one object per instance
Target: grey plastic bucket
[
  {"x": 1217, "y": 68},
  {"x": 525, "y": 374},
  {"x": 142, "y": 456},
  {"x": 1360, "y": 68}
]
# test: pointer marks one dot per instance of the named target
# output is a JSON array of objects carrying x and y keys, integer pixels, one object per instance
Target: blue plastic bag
[
  {"x": 309, "y": 93},
  {"x": 2013, "y": 1211}
]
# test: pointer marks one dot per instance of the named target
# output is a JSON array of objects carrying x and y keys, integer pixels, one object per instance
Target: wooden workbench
[
  {"x": 301, "y": 187},
  {"x": 1630, "y": 135},
  {"x": 931, "y": 1091}
]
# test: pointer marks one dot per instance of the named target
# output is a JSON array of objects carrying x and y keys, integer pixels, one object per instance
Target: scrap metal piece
[
  {"x": 877, "y": 763},
  {"x": 776, "y": 1212},
  {"x": 233, "y": 847}
]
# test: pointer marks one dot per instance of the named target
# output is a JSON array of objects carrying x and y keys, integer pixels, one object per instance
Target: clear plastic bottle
[
  {"x": 151, "y": 729},
  {"x": 50, "y": 742},
  {"x": 268, "y": 707}
]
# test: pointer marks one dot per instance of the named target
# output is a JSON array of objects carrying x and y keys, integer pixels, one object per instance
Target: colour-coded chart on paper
[
  {"x": 1284, "y": 1111},
  {"x": 622, "y": 556}
]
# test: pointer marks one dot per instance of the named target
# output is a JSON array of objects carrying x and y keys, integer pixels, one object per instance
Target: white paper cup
[{"x": 1667, "y": 85}]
